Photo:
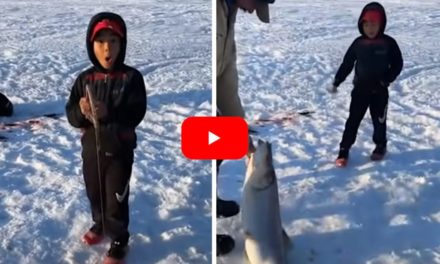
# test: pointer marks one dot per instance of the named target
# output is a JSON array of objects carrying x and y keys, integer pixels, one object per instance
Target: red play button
[{"x": 214, "y": 137}]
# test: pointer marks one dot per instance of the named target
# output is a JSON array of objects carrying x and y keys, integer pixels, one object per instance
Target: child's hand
[
  {"x": 101, "y": 110},
  {"x": 85, "y": 106}
]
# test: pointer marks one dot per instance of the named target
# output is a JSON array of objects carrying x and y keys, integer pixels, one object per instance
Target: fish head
[{"x": 260, "y": 172}]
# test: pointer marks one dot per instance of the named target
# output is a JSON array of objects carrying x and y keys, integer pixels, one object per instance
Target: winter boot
[
  {"x": 226, "y": 208},
  {"x": 342, "y": 159},
  {"x": 225, "y": 244},
  {"x": 116, "y": 253},
  {"x": 378, "y": 153},
  {"x": 93, "y": 236}
]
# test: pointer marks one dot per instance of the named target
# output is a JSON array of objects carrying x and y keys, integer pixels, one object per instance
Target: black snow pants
[
  {"x": 374, "y": 98},
  {"x": 116, "y": 162}
]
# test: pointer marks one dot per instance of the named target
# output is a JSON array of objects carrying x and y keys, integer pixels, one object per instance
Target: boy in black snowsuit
[
  {"x": 378, "y": 63},
  {"x": 121, "y": 105}
]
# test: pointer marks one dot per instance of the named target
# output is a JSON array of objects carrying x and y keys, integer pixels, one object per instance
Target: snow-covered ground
[
  {"x": 383, "y": 212},
  {"x": 43, "y": 205}
]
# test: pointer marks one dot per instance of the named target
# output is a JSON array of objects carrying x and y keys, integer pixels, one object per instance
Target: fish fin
[
  {"x": 248, "y": 235},
  {"x": 245, "y": 257}
]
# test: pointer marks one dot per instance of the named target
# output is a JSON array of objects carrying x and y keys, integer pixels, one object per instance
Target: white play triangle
[{"x": 212, "y": 138}]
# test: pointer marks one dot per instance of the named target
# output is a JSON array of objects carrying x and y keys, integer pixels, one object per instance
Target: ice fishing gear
[
  {"x": 281, "y": 117},
  {"x": 31, "y": 123}
]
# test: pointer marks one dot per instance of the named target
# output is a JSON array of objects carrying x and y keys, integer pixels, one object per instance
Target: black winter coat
[
  {"x": 122, "y": 89},
  {"x": 377, "y": 61}
]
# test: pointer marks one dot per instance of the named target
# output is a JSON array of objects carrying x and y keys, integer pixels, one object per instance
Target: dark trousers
[
  {"x": 377, "y": 101},
  {"x": 115, "y": 173},
  {"x": 217, "y": 164}
]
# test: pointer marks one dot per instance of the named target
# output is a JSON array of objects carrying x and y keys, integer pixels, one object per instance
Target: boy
[
  {"x": 120, "y": 95},
  {"x": 378, "y": 63}
]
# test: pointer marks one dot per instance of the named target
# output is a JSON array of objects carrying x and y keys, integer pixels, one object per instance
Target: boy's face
[
  {"x": 106, "y": 47},
  {"x": 371, "y": 28}
]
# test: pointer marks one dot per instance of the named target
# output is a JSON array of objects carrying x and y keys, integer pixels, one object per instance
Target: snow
[
  {"x": 370, "y": 212},
  {"x": 43, "y": 205}
]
